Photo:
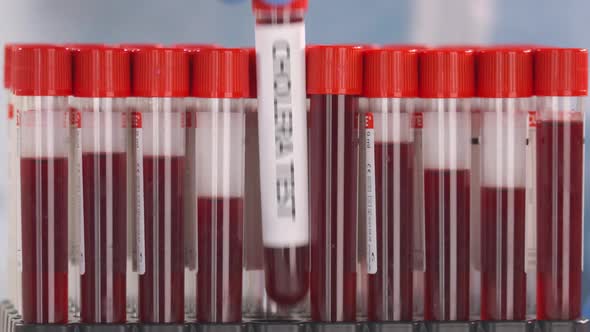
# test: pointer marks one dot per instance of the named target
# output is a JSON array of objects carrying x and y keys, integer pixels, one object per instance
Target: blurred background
[{"x": 230, "y": 22}]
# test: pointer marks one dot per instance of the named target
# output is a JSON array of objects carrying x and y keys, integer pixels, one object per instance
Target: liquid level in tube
[
  {"x": 446, "y": 202},
  {"x": 161, "y": 288},
  {"x": 219, "y": 278},
  {"x": 105, "y": 238},
  {"x": 44, "y": 194},
  {"x": 333, "y": 183},
  {"x": 393, "y": 169},
  {"x": 501, "y": 209},
  {"x": 560, "y": 160}
]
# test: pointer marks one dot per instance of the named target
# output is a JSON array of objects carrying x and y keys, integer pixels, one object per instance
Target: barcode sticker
[
  {"x": 419, "y": 250},
  {"x": 369, "y": 142},
  {"x": 531, "y": 205},
  {"x": 190, "y": 215},
  {"x": 139, "y": 218},
  {"x": 76, "y": 195},
  {"x": 19, "y": 246}
]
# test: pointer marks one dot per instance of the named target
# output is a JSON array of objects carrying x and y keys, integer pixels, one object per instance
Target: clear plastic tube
[
  {"x": 220, "y": 203},
  {"x": 390, "y": 287},
  {"x": 44, "y": 206},
  {"x": 102, "y": 122},
  {"x": 560, "y": 178},
  {"x": 503, "y": 207},
  {"x": 446, "y": 150},
  {"x": 159, "y": 151},
  {"x": 334, "y": 158},
  {"x": 256, "y": 303},
  {"x": 280, "y": 38}
]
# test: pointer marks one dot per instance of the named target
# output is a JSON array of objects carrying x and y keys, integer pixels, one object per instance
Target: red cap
[
  {"x": 288, "y": 5},
  {"x": 41, "y": 70},
  {"x": 101, "y": 72},
  {"x": 160, "y": 72},
  {"x": 447, "y": 73},
  {"x": 7, "y": 65},
  {"x": 504, "y": 72},
  {"x": 252, "y": 73},
  {"x": 335, "y": 70},
  {"x": 391, "y": 72},
  {"x": 221, "y": 73},
  {"x": 561, "y": 72}
]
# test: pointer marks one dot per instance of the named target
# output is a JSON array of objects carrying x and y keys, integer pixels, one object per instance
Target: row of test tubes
[{"x": 334, "y": 183}]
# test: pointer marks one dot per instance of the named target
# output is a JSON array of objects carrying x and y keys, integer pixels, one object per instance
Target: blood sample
[
  {"x": 157, "y": 153},
  {"x": 446, "y": 84},
  {"x": 391, "y": 83},
  {"x": 561, "y": 82},
  {"x": 98, "y": 134},
  {"x": 220, "y": 81},
  {"x": 282, "y": 119},
  {"x": 334, "y": 84},
  {"x": 41, "y": 83},
  {"x": 505, "y": 85}
]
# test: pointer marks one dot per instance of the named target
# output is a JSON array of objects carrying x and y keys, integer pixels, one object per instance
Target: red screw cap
[
  {"x": 289, "y": 5},
  {"x": 504, "y": 72},
  {"x": 7, "y": 65},
  {"x": 41, "y": 70},
  {"x": 391, "y": 73},
  {"x": 561, "y": 72},
  {"x": 335, "y": 70},
  {"x": 101, "y": 72},
  {"x": 447, "y": 73},
  {"x": 160, "y": 72},
  {"x": 221, "y": 73}
]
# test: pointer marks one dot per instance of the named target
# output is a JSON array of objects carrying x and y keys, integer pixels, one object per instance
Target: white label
[
  {"x": 76, "y": 196},
  {"x": 19, "y": 245},
  {"x": 371, "y": 204},
  {"x": 139, "y": 219},
  {"x": 282, "y": 119}
]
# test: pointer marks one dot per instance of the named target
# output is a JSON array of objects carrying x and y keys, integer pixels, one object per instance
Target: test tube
[
  {"x": 391, "y": 86},
  {"x": 13, "y": 239},
  {"x": 334, "y": 84},
  {"x": 220, "y": 82},
  {"x": 282, "y": 119},
  {"x": 254, "y": 296},
  {"x": 132, "y": 283},
  {"x": 505, "y": 88},
  {"x": 561, "y": 82},
  {"x": 447, "y": 86},
  {"x": 41, "y": 83},
  {"x": 189, "y": 195},
  {"x": 99, "y": 118},
  {"x": 160, "y": 79}
]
